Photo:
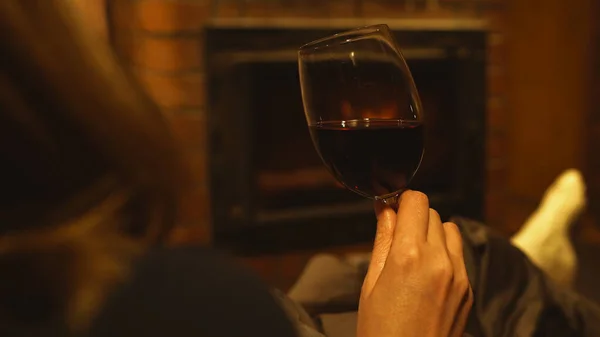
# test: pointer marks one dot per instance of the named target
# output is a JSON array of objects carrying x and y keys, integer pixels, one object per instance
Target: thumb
[{"x": 386, "y": 222}]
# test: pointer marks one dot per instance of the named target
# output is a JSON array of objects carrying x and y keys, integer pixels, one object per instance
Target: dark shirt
[{"x": 187, "y": 292}]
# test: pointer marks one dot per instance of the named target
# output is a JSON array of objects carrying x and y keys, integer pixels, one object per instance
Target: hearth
[{"x": 269, "y": 190}]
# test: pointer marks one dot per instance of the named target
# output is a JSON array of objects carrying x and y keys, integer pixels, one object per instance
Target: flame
[{"x": 384, "y": 111}]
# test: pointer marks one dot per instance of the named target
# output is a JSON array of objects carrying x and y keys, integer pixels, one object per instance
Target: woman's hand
[{"x": 417, "y": 283}]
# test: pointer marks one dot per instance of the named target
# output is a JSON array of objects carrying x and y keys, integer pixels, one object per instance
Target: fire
[{"x": 383, "y": 111}]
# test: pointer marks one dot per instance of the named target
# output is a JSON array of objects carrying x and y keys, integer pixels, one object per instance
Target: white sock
[{"x": 544, "y": 237}]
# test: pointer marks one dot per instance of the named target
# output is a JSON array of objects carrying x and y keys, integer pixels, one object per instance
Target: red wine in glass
[
  {"x": 370, "y": 157},
  {"x": 363, "y": 111}
]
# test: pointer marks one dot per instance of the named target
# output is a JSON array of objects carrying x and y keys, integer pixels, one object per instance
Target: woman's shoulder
[{"x": 191, "y": 291}]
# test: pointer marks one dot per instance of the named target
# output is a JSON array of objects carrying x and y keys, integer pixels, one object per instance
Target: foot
[{"x": 544, "y": 237}]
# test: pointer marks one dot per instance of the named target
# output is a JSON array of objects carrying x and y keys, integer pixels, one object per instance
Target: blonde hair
[{"x": 90, "y": 174}]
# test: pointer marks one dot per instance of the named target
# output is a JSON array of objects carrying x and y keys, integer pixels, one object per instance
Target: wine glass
[{"x": 363, "y": 111}]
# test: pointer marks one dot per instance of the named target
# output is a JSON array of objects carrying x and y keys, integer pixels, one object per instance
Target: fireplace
[{"x": 268, "y": 186}]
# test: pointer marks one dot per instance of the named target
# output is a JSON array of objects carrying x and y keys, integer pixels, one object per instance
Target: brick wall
[{"x": 162, "y": 40}]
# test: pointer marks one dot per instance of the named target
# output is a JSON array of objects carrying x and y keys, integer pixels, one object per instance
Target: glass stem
[{"x": 392, "y": 202}]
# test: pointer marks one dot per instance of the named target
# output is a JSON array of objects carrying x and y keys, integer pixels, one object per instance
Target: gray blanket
[{"x": 512, "y": 296}]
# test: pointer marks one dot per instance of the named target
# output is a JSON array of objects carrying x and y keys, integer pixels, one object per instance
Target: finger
[
  {"x": 460, "y": 322},
  {"x": 455, "y": 245},
  {"x": 379, "y": 207},
  {"x": 412, "y": 219},
  {"x": 386, "y": 221},
  {"x": 435, "y": 233}
]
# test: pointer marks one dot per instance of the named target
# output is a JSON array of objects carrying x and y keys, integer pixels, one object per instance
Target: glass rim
[{"x": 336, "y": 39}]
